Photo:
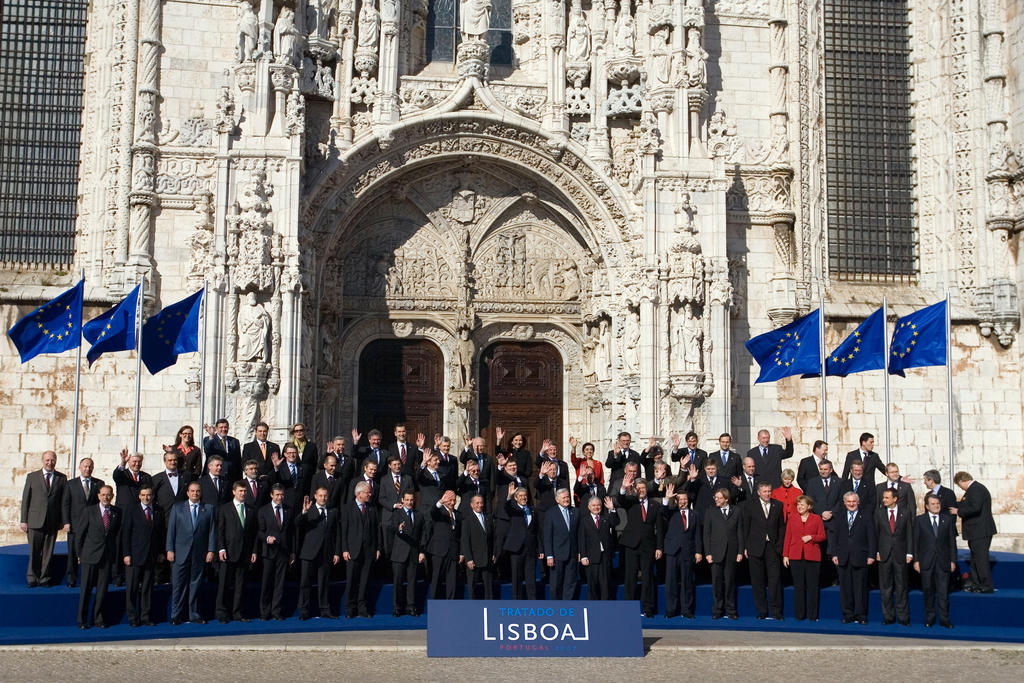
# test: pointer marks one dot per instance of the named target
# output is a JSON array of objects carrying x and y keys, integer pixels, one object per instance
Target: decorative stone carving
[
  {"x": 722, "y": 139},
  {"x": 248, "y": 32},
  {"x": 527, "y": 105},
  {"x": 629, "y": 344},
  {"x": 254, "y": 229},
  {"x": 394, "y": 264},
  {"x": 369, "y": 26},
  {"x": 253, "y": 331},
  {"x": 603, "y": 351},
  {"x": 688, "y": 337},
  {"x": 625, "y": 100},
  {"x": 578, "y": 47},
  {"x": 200, "y": 242},
  {"x": 465, "y": 202},
  {"x": 696, "y": 60},
  {"x": 625, "y": 31},
  {"x": 288, "y": 39},
  {"x": 474, "y": 18},
  {"x": 415, "y": 99},
  {"x": 471, "y": 59},
  {"x": 578, "y": 101},
  {"x": 579, "y": 132},
  {"x": 295, "y": 116},
  {"x": 363, "y": 90}
]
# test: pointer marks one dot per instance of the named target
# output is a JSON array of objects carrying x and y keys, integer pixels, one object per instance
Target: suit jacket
[
  {"x": 336, "y": 488},
  {"x": 127, "y": 486},
  {"x": 904, "y": 495},
  {"x": 262, "y": 497},
  {"x": 597, "y": 538},
  {"x": 284, "y": 534},
  {"x": 805, "y": 471},
  {"x": 769, "y": 467},
  {"x": 466, "y": 489},
  {"x": 830, "y": 499},
  {"x": 183, "y": 539},
  {"x": 759, "y": 533},
  {"x": 699, "y": 458},
  {"x": 411, "y": 540},
  {"x": 947, "y": 499},
  {"x": 320, "y": 540},
  {"x": 688, "y": 542},
  {"x": 657, "y": 491},
  {"x": 230, "y": 449},
  {"x": 443, "y": 533},
  {"x": 476, "y": 542},
  {"x": 722, "y": 534},
  {"x": 899, "y": 543},
  {"x": 295, "y": 489},
  {"x": 374, "y": 493},
  {"x": 583, "y": 493},
  {"x": 413, "y": 457},
  {"x": 97, "y": 545},
  {"x": 865, "y": 491},
  {"x": 854, "y": 544},
  {"x": 516, "y": 536},
  {"x": 190, "y": 461},
  {"x": 616, "y": 460},
  {"x": 141, "y": 539},
  {"x": 309, "y": 455},
  {"x": 163, "y": 492},
  {"x": 523, "y": 458},
  {"x": 975, "y": 512},
  {"x": 702, "y": 491},
  {"x": 732, "y": 468},
  {"x": 238, "y": 541},
  {"x": 544, "y": 492},
  {"x": 931, "y": 549},
  {"x": 379, "y": 456},
  {"x": 75, "y": 499},
  {"x": 747, "y": 488},
  {"x": 431, "y": 490},
  {"x": 872, "y": 463},
  {"x": 560, "y": 541},
  {"x": 360, "y": 532},
  {"x": 211, "y": 495},
  {"x": 251, "y": 451},
  {"x": 641, "y": 533}
]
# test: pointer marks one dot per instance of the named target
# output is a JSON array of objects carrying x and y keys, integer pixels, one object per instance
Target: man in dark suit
[
  {"x": 860, "y": 485},
  {"x": 431, "y": 485},
  {"x": 448, "y": 464},
  {"x": 684, "y": 547},
  {"x": 769, "y": 456},
  {"x": 657, "y": 486},
  {"x": 508, "y": 481},
  {"x": 41, "y": 517},
  {"x": 170, "y": 484},
  {"x": 597, "y": 546},
  {"x": 933, "y": 484},
  {"x": 561, "y": 547},
  {"x": 237, "y": 523},
  {"x": 746, "y": 482},
  {"x": 370, "y": 478},
  {"x": 588, "y": 487},
  {"x": 642, "y": 542},
  {"x": 872, "y": 461},
  {"x": 218, "y": 442},
  {"x": 729, "y": 462},
  {"x": 701, "y": 488},
  {"x": 620, "y": 454},
  {"x": 894, "y": 527},
  {"x": 319, "y": 552},
  {"x": 293, "y": 477},
  {"x": 276, "y": 538},
  {"x": 476, "y": 546},
  {"x": 345, "y": 460},
  {"x": 977, "y": 528},
  {"x": 824, "y": 490},
  {"x": 476, "y": 451},
  {"x": 392, "y": 487},
  {"x": 129, "y": 478},
  {"x": 99, "y": 541},
  {"x": 142, "y": 549},
  {"x": 517, "y": 537},
  {"x": 762, "y": 532},
  {"x": 407, "y": 552},
  {"x": 808, "y": 467},
  {"x": 328, "y": 478},
  {"x": 191, "y": 544},
  {"x": 690, "y": 454},
  {"x": 257, "y": 485},
  {"x": 215, "y": 488},
  {"x": 469, "y": 484},
  {"x": 442, "y": 536},
  {"x": 373, "y": 452},
  {"x": 935, "y": 557},
  {"x": 410, "y": 456},
  {"x": 853, "y": 547},
  {"x": 360, "y": 547},
  {"x": 80, "y": 493},
  {"x": 895, "y": 482},
  {"x": 261, "y": 450},
  {"x": 723, "y": 550}
]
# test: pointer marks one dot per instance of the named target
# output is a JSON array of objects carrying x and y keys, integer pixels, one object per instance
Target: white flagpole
[
  {"x": 138, "y": 356},
  {"x": 885, "y": 355},
  {"x": 949, "y": 385},
  {"x": 821, "y": 355},
  {"x": 202, "y": 364},
  {"x": 78, "y": 384}
]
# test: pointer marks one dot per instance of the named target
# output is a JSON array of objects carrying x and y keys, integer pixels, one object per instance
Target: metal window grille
[
  {"x": 443, "y": 31},
  {"x": 42, "y": 48},
  {"x": 868, "y": 140}
]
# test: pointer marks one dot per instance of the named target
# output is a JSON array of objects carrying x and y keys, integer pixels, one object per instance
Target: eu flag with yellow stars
[
  {"x": 919, "y": 339},
  {"x": 54, "y": 327},
  {"x": 173, "y": 330},
  {"x": 862, "y": 351},
  {"x": 113, "y": 330},
  {"x": 793, "y": 349}
]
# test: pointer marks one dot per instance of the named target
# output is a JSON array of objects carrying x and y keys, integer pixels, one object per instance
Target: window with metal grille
[
  {"x": 443, "y": 31},
  {"x": 42, "y": 48},
  {"x": 868, "y": 146}
]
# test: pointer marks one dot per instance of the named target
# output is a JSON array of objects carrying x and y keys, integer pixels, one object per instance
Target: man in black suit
[
  {"x": 933, "y": 484},
  {"x": 276, "y": 537},
  {"x": 588, "y": 487},
  {"x": 859, "y": 484},
  {"x": 684, "y": 547},
  {"x": 470, "y": 484},
  {"x": 935, "y": 557},
  {"x": 215, "y": 487},
  {"x": 476, "y": 451},
  {"x": 293, "y": 477},
  {"x": 407, "y": 552},
  {"x": 825, "y": 490},
  {"x": 729, "y": 462},
  {"x": 517, "y": 537},
  {"x": 853, "y": 546},
  {"x": 808, "y": 467},
  {"x": 977, "y": 528},
  {"x": 544, "y": 487},
  {"x": 746, "y": 482},
  {"x": 373, "y": 452},
  {"x": 237, "y": 525},
  {"x": 170, "y": 484},
  {"x": 328, "y": 478},
  {"x": 392, "y": 486},
  {"x": 597, "y": 546},
  {"x": 769, "y": 456},
  {"x": 904, "y": 491},
  {"x": 431, "y": 485},
  {"x": 442, "y": 535},
  {"x": 723, "y": 550},
  {"x": 218, "y": 442},
  {"x": 476, "y": 546},
  {"x": 129, "y": 479},
  {"x": 701, "y": 487},
  {"x": 99, "y": 542},
  {"x": 369, "y": 476},
  {"x": 345, "y": 461},
  {"x": 620, "y": 454},
  {"x": 261, "y": 450},
  {"x": 410, "y": 456},
  {"x": 508, "y": 481},
  {"x": 80, "y": 493},
  {"x": 690, "y": 454},
  {"x": 894, "y": 527},
  {"x": 872, "y": 461},
  {"x": 318, "y": 553},
  {"x": 762, "y": 532},
  {"x": 360, "y": 547},
  {"x": 657, "y": 486},
  {"x": 447, "y": 464},
  {"x": 642, "y": 542},
  {"x": 561, "y": 547},
  {"x": 142, "y": 548},
  {"x": 257, "y": 485}
]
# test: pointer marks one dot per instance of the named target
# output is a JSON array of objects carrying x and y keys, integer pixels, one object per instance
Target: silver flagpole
[
  {"x": 202, "y": 364},
  {"x": 949, "y": 385},
  {"x": 821, "y": 354},
  {"x": 78, "y": 384},
  {"x": 885, "y": 355},
  {"x": 138, "y": 356}
]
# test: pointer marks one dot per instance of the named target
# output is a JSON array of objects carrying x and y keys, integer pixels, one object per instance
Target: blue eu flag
[
  {"x": 862, "y": 351},
  {"x": 173, "y": 330},
  {"x": 793, "y": 349},
  {"x": 54, "y": 327},
  {"x": 113, "y": 330},
  {"x": 919, "y": 339}
]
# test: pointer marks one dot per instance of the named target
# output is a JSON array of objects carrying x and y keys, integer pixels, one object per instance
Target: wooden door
[
  {"x": 401, "y": 381},
  {"x": 521, "y": 391}
]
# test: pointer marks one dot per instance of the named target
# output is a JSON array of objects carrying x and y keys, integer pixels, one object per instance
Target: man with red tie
[
  {"x": 410, "y": 455},
  {"x": 276, "y": 538},
  {"x": 98, "y": 536},
  {"x": 642, "y": 541},
  {"x": 129, "y": 479},
  {"x": 894, "y": 529},
  {"x": 684, "y": 547},
  {"x": 597, "y": 546},
  {"x": 142, "y": 548}
]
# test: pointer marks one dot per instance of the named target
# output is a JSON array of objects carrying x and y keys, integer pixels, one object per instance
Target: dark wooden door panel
[
  {"x": 401, "y": 381},
  {"x": 521, "y": 391}
]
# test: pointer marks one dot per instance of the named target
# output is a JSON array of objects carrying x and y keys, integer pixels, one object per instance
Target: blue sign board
[{"x": 534, "y": 628}]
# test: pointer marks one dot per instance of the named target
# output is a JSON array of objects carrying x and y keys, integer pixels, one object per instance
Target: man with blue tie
[
  {"x": 690, "y": 455},
  {"x": 561, "y": 547},
  {"x": 476, "y": 548},
  {"x": 853, "y": 546},
  {"x": 373, "y": 453},
  {"x": 517, "y": 537},
  {"x": 191, "y": 544},
  {"x": 292, "y": 476},
  {"x": 729, "y": 462},
  {"x": 935, "y": 558}
]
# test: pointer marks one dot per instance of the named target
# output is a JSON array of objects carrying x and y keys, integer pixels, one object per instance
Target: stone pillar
[
  {"x": 129, "y": 72},
  {"x": 554, "y": 30},
  {"x": 341, "y": 119},
  {"x": 385, "y": 109}
]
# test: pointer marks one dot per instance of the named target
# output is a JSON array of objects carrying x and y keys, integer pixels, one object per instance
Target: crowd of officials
[{"x": 231, "y": 512}]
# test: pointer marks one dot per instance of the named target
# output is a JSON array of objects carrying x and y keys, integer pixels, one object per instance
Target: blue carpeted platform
[{"x": 48, "y": 615}]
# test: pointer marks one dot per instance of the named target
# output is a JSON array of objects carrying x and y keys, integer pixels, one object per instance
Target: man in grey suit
[
  {"x": 41, "y": 517},
  {"x": 191, "y": 543},
  {"x": 561, "y": 547}
]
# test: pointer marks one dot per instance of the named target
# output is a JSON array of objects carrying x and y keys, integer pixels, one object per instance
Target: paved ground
[{"x": 401, "y": 655}]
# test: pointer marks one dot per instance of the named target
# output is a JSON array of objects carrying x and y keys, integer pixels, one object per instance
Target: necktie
[
  {"x": 216, "y": 482},
  {"x": 135, "y": 476},
  {"x": 725, "y": 457},
  {"x": 892, "y": 521},
  {"x": 277, "y": 513},
  {"x": 376, "y": 454},
  {"x": 565, "y": 516},
  {"x": 263, "y": 448},
  {"x": 825, "y": 482},
  {"x": 323, "y": 514},
  {"x": 106, "y": 518},
  {"x": 856, "y": 485},
  {"x": 764, "y": 451},
  {"x": 643, "y": 510},
  {"x": 48, "y": 475},
  {"x": 295, "y": 474},
  {"x": 451, "y": 518},
  {"x": 725, "y": 513},
  {"x": 935, "y": 525},
  {"x": 436, "y": 478},
  {"x": 750, "y": 482},
  {"x": 683, "y": 514},
  {"x": 402, "y": 451},
  {"x": 362, "y": 509},
  {"x": 480, "y": 516},
  {"x": 195, "y": 514},
  {"x": 330, "y": 479},
  {"x": 370, "y": 482},
  {"x": 849, "y": 519},
  {"x": 149, "y": 514},
  {"x": 892, "y": 485},
  {"x": 411, "y": 520},
  {"x": 767, "y": 508},
  {"x": 252, "y": 483},
  {"x": 597, "y": 522},
  {"x": 86, "y": 485},
  {"x": 398, "y": 484},
  {"x": 527, "y": 515}
]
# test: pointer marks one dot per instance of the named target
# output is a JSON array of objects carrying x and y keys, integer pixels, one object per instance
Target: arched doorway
[
  {"x": 401, "y": 381},
  {"x": 521, "y": 391}
]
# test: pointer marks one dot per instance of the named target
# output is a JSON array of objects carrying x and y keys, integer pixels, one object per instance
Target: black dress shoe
[
  {"x": 303, "y": 617},
  {"x": 244, "y": 620},
  {"x": 175, "y": 622},
  {"x": 762, "y": 616},
  {"x": 670, "y": 615},
  {"x": 862, "y": 622},
  {"x": 395, "y": 613},
  {"x": 888, "y": 622},
  {"x": 732, "y": 616},
  {"x": 72, "y": 584},
  {"x": 904, "y": 622},
  {"x": 946, "y": 624},
  {"x": 414, "y": 613},
  {"x": 986, "y": 590},
  {"x": 364, "y": 613},
  {"x": 100, "y": 624},
  {"x": 328, "y": 615},
  {"x": 688, "y": 616},
  {"x": 147, "y": 622},
  {"x": 200, "y": 620},
  {"x": 716, "y": 616},
  {"x": 83, "y": 626},
  {"x": 133, "y": 623},
  {"x": 929, "y": 624},
  {"x": 224, "y": 621},
  {"x": 846, "y": 620},
  {"x": 278, "y": 618},
  {"x": 350, "y": 615}
]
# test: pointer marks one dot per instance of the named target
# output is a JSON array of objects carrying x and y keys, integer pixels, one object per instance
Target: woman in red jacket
[
  {"x": 802, "y": 554},
  {"x": 587, "y": 460},
  {"x": 787, "y": 494}
]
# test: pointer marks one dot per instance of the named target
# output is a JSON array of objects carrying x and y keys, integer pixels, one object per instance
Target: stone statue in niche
[
  {"x": 463, "y": 357},
  {"x": 662, "y": 56},
  {"x": 688, "y": 335},
  {"x": 474, "y": 18},
  {"x": 253, "y": 330},
  {"x": 248, "y": 32},
  {"x": 589, "y": 357},
  {"x": 625, "y": 31},
  {"x": 369, "y": 25},
  {"x": 389, "y": 10},
  {"x": 696, "y": 60},
  {"x": 287, "y": 38},
  {"x": 603, "y": 356},
  {"x": 630, "y": 341},
  {"x": 578, "y": 49}
]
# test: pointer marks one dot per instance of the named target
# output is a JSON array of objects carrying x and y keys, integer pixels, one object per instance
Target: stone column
[
  {"x": 341, "y": 119},
  {"x": 385, "y": 108}
]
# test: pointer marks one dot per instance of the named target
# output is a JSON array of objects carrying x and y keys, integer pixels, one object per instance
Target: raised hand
[
  {"x": 329, "y": 448},
  {"x": 675, "y": 440},
  {"x": 276, "y": 459},
  {"x": 124, "y": 456},
  {"x": 670, "y": 490},
  {"x": 501, "y": 459},
  {"x": 356, "y": 436},
  {"x": 691, "y": 472},
  {"x": 306, "y": 503},
  {"x": 511, "y": 489},
  {"x": 609, "y": 504},
  {"x": 651, "y": 443},
  {"x": 499, "y": 434},
  {"x": 421, "y": 440},
  {"x": 572, "y": 443},
  {"x": 736, "y": 481},
  {"x": 209, "y": 429},
  {"x": 437, "y": 440},
  {"x": 787, "y": 433}
]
